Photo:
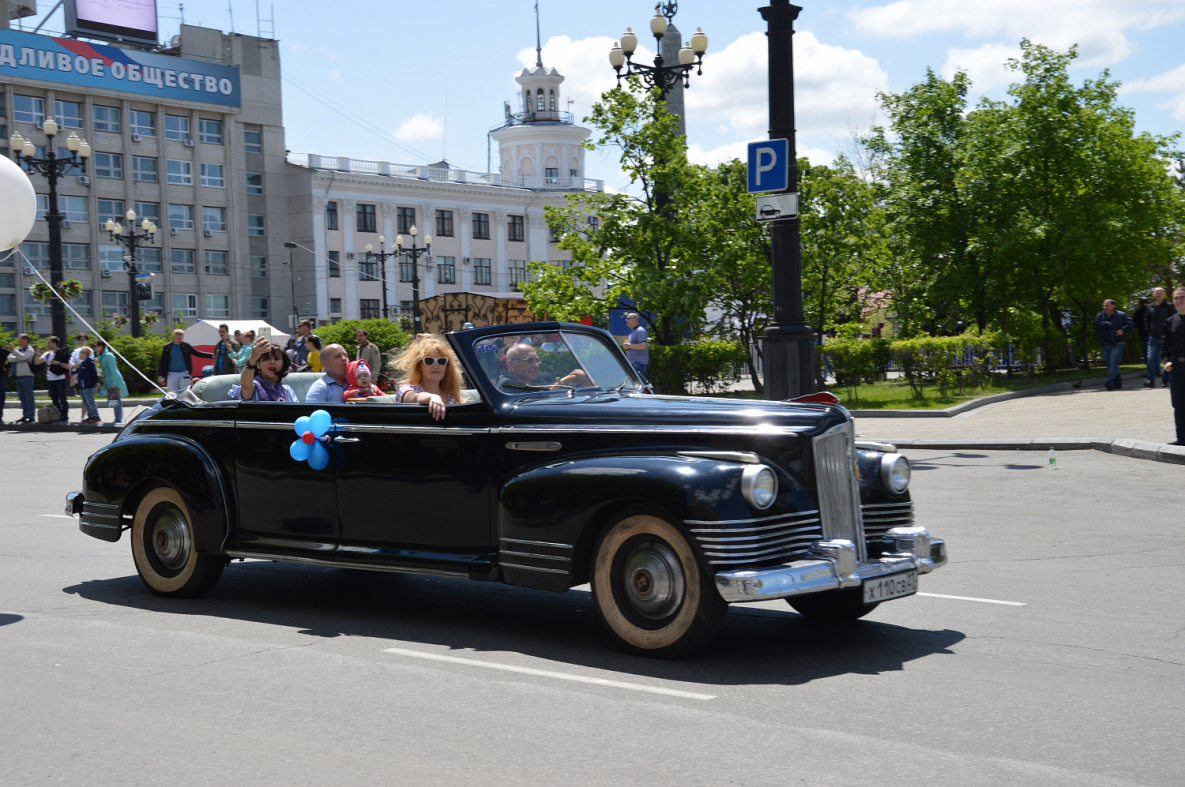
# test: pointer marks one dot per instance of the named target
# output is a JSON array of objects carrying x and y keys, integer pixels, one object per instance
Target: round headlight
[
  {"x": 759, "y": 486},
  {"x": 895, "y": 472}
]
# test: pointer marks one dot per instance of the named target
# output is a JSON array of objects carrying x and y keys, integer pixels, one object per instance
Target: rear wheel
[
  {"x": 163, "y": 548},
  {"x": 833, "y": 606},
  {"x": 650, "y": 592}
]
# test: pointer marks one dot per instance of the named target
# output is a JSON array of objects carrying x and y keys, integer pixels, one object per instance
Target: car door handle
[
  {"x": 535, "y": 446},
  {"x": 345, "y": 439}
]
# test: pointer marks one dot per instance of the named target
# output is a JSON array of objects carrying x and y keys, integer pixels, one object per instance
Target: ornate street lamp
[
  {"x": 413, "y": 254},
  {"x": 381, "y": 257},
  {"x": 663, "y": 77},
  {"x": 53, "y": 168},
  {"x": 127, "y": 236}
]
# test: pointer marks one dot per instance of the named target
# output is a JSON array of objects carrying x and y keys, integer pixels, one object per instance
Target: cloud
[
  {"x": 985, "y": 65},
  {"x": 335, "y": 75},
  {"x": 420, "y": 127},
  {"x": 1171, "y": 82},
  {"x": 584, "y": 65}
]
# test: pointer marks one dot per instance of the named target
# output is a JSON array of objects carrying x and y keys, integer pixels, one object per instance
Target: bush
[
  {"x": 710, "y": 364},
  {"x": 389, "y": 337},
  {"x": 856, "y": 360},
  {"x": 144, "y": 355}
]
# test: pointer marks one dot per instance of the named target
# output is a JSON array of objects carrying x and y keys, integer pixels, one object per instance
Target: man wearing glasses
[
  {"x": 522, "y": 369},
  {"x": 1172, "y": 350}
]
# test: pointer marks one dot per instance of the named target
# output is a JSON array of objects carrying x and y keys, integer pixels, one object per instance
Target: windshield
[{"x": 552, "y": 360}]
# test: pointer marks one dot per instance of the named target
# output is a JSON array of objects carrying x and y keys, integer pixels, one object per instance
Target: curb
[
  {"x": 1121, "y": 446},
  {"x": 958, "y": 409}
]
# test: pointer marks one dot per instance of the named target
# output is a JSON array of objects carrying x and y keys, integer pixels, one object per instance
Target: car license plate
[{"x": 895, "y": 586}]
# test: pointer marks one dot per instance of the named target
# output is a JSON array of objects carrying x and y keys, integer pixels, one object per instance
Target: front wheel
[
  {"x": 163, "y": 548},
  {"x": 649, "y": 591},
  {"x": 833, "y": 606}
]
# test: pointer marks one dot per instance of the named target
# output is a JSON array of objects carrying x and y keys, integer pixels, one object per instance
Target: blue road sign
[{"x": 769, "y": 165}]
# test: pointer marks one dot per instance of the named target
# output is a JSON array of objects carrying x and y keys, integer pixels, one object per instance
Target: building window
[
  {"x": 253, "y": 141},
  {"x": 335, "y": 305},
  {"x": 110, "y": 209},
  {"x": 71, "y": 208},
  {"x": 331, "y": 216},
  {"x": 368, "y": 308},
  {"x": 255, "y": 225},
  {"x": 148, "y": 259},
  {"x": 176, "y": 127},
  {"x": 8, "y": 304},
  {"x": 572, "y": 173},
  {"x": 217, "y": 306},
  {"x": 182, "y": 261},
  {"x": 33, "y": 306},
  {"x": 555, "y": 234},
  {"x": 406, "y": 307},
  {"x": 551, "y": 100},
  {"x": 540, "y": 101},
  {"x": 180, "y": 217},
  {"x": 142, "y": 123},
  {"x": 481, "y": 226},
  {"x": 83, "y": 303},
  {"x": 216, "y": 263},
  {"x": 108, "y": 165},
  {"x": 444, "y": 224},
  {"x": 593, "y": 223},
  {"x": 407, "y": 271},
  {"x": 405, "y": 219},
  {"x": 111, "y": 259},
  {"x": 551, "y": 175},
  {"x": 259, "y": 307},
  {"x": 68, "y": 114},
  {"x": 516, "y": 228},
  {"x": 148, "y": 210},
  {"x": 518, "y": 272},
  {"x": 144, "y": 169},
  {"x": 28, "y": 109},
  {"x": 179, "y": 173},
  {"x": 75, "y": 256},
  {"x": 482, "y": 270},
  {"x": 254, "y": 183},
  {"x": 258, "y": 267},
  {"x": 366, "y": 218},
  {"x": 368, "y": 271},
  {"x": 116, "y": 303},
  {"x": 212, "y": 176},
  {"x": 184, "y": 305},
  {"x": 335, "y": 265},
  {"x": 446, "y": 270},
  {"x": 214, "y": 219},
  {"x": 210, "y": 131},
  {"x": 106, "y": 119}
]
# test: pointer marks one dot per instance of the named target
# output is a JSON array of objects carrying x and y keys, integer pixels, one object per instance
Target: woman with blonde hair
[{"x": 431, "y": 374}]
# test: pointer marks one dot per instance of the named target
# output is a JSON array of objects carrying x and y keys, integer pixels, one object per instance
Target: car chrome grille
[
  {"x": 100, "y": 515},
  {"x": 757, "y": 541},
  {"x": 879, "y": 517},
  {"x": 838, "y": 493}
]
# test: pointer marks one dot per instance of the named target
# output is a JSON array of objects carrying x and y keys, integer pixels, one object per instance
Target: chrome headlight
[
  {"x": 895, "y": 473},
  {"x": 759, "y": 486}
]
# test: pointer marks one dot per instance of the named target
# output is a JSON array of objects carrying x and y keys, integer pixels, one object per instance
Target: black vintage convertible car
[{"x": 670, "y": 507}]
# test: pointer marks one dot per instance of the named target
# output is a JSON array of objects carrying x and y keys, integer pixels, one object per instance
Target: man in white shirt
[{"x": 330, "y": 388}]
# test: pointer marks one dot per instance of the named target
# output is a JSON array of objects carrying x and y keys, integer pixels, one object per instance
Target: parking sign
[{"x": 769, "y": 165}]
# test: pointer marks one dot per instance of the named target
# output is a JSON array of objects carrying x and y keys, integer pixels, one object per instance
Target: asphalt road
[{"x": 291, "y": 675}]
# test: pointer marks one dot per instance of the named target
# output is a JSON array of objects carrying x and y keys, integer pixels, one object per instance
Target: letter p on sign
[{"x": 769, "y": 165}]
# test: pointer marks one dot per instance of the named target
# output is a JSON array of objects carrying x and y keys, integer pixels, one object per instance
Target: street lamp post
[
  {"x": 413, "y": 254},
  {"x": 663, "y": 77},
  {"x": 292, "y": 280},
  {"x": 127, "y": 236},
  {"x": 382, "y": 257},
  {"x": 53, "y": 168}
]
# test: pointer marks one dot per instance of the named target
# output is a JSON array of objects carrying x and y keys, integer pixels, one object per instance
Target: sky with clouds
[{"x": 416, "y": 82}]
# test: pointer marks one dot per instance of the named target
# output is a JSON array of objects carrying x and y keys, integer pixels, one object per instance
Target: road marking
[
  {"x": 982, "y": 600},
  {"x": 616, "y": 684},
  {"x": 59, "y": 516}
]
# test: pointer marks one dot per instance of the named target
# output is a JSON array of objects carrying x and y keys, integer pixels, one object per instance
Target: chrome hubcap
[
  {"x": 171, "y": 540},
  {"x": 653, "y": 580}
]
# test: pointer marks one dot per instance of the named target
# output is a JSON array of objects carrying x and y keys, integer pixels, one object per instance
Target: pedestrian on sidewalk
[
  {"x": 637, "y": 346},
  {"x": 3, "y": 380},
  {"x": 88, "y": 381},
  {"x": 113, "y": 381},
  {"x": 20, "y": 367},
  {"x": 174, "y": 370},
  {"x": 1173, "y": 352},
  {"x": 57, "y": 375},
  {"x": 1112, "y": 326},
  {"x": 1155, "y": 316}
]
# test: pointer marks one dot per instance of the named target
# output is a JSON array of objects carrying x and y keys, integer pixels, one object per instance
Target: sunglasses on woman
[{"x": 430, "y": 360}]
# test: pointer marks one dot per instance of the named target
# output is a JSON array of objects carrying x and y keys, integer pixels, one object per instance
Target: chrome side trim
[
  {"x": 435, "y": 572},
  {"x": 398, "y": 429},
  {"x": 536, "y": 556},
  {"x": 744, "y": 457},
  {"x": 535, "y": 446},
  {"x": 536, "y": 543},
  {"x": 159, "y": 422},
  {"x": 534, "y": 568},
  {"x": 749, "y": 521},
  {"x": 755, "y": 430}
]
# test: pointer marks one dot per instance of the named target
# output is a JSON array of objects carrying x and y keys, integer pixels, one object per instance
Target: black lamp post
[
  {"x": 127, "y": 236},
  {"x": 413, "y": 254},
  {"x": 663, "y": 77},
  {"x": 292, "y": 280},
  {"x": 53, "y": 168},
  {"x": 381, "y": 256}
]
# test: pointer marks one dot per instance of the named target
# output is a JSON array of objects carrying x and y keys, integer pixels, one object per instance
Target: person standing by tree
[
  {"x": 1112, "y": 326},
  {"x": 636, "y": 345},
  {"x": 174, "y": 370},
  {"x": 20, "y": 360},
  {"x": 1157, "y": 314},
  {"x": 1173, "y": 352},
  {"x": 369, "y": 352}
]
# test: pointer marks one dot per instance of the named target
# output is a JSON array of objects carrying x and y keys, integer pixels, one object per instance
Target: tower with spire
[{"x": 540, "y": 146}]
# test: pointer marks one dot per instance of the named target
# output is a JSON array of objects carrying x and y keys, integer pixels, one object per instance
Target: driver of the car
[{"x": 522, "y": 368}]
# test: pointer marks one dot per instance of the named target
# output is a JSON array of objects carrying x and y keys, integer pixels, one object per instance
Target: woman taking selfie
[{"x": 262, "y": 377}]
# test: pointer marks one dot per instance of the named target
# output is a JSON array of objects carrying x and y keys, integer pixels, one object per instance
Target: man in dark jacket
[
  {"x": 1155, "y": 316},
  {"x": 1112, "y": 327},
  {"x": 176, "y": 362},
  {"x": 225, "y": 352},
  {"x": 1173, "y": 352},
  {"x": 3, "y": 380}
]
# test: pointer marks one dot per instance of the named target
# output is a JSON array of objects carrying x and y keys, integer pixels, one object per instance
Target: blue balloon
[
  {"x": 318, "y": 456},
  {"x": 302, "y": 425},
  {"x": 299, "y": 450},
  {"x": 319, "y": 421}
]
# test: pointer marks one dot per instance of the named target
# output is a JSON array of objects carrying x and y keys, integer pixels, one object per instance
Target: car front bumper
[{"x": 834, "y": 565}]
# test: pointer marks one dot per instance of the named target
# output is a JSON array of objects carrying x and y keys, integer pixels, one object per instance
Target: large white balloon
[{"x": 18, "y": 205}]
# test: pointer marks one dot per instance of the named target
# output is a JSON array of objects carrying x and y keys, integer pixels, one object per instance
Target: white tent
[{"x": 204, "y": 333}]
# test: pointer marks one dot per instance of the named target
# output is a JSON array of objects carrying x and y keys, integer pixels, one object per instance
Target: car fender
[
  {"x": 550, "y": 514},
  {"x": 120, "y": 475}
]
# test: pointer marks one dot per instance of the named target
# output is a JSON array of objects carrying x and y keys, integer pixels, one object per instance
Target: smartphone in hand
[{"x": 265, "y": 332}]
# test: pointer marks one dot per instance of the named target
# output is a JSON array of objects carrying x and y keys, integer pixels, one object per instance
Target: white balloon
[{"x": 18, "y": 205}]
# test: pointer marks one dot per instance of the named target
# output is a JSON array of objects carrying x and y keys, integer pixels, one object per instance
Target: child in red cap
[{"x": 358, "y": 376}]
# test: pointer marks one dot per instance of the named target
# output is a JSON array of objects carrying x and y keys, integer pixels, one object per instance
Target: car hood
[{"x": 672, "y": 412}]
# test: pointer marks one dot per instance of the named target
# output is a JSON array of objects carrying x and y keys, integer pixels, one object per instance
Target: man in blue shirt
[
  {"x": 176, "y": 361},
  {"x": 329, "y": 389},
  {"x": 636, "y": 346}
]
